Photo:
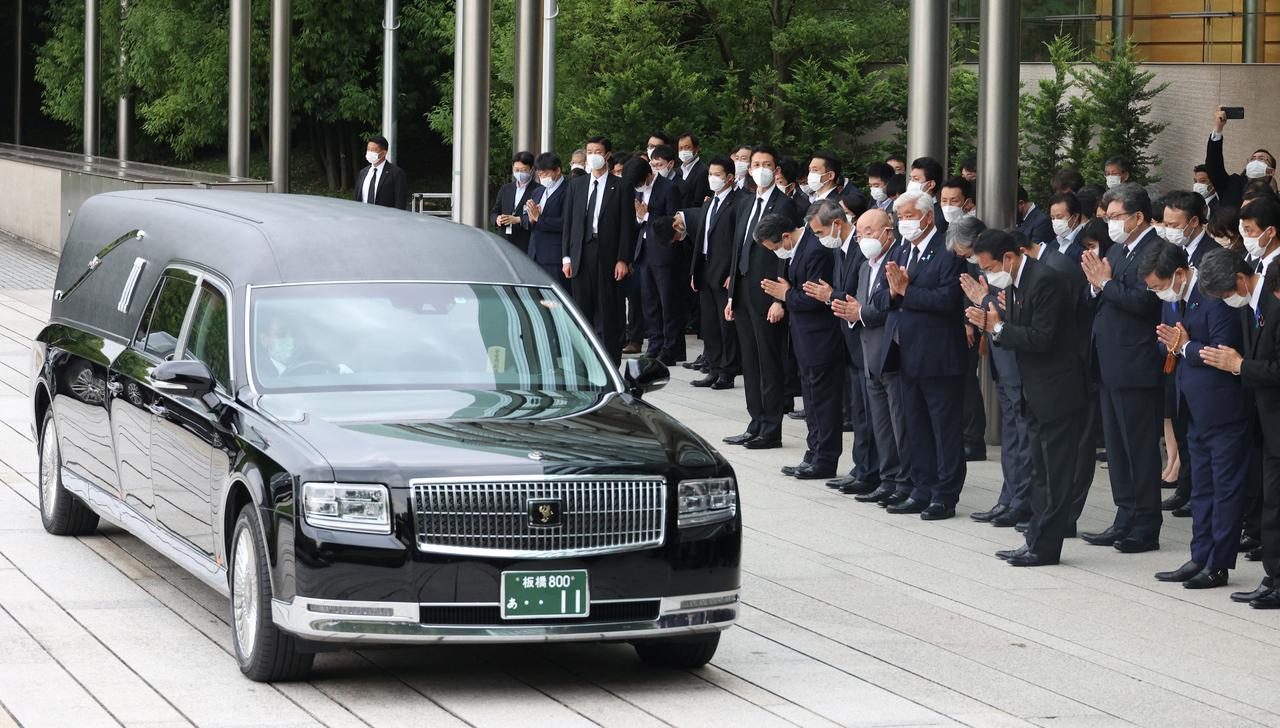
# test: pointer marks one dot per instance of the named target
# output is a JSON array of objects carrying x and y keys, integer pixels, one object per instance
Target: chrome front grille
[{"x": 492, "y": 517}]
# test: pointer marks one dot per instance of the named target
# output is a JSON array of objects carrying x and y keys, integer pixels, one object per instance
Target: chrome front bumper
[{"x": 326, "y": 620}]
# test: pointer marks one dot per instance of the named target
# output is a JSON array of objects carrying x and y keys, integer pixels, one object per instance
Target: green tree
[
  {"x": 1045, "y": 121},
  {"x": 1120, "y": 95}
]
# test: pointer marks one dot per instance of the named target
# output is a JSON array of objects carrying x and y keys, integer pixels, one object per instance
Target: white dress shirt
[
  {"x": 1065, "y": 241},
  {"x": 687, "y": 167},
  {"x": 706, "y": 235},
  {"x": 369, "y": 195}
]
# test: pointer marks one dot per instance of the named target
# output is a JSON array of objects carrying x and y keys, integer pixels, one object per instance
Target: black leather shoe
[
  {"x": 1270, "y": 600},
  {"x": 846, "y": 427},
  {"x": 910, "y": 505},
  {"x": 1254, "y": 555},
  {"x": 858, "y": 487},
  {"x": 762, "y": 443},
  {"x": 974, "y": 454},
  {"x": 706, "y": 381},
  {"x": 1173, "y": 503},
  {"x": 1007, "y": 519},
  {"x": 695, "y": 364},
  {"x": 1248, "y": 543},
  {"x": 722, "y": 383},
  {"x": 1183, "y": 512},
  {"x": 938, "y": 512},
  {"x": 790, "y": 470},
  {"x": 1182, "y": 573},
  {"x": 1207, "y": 579},
  {"x": 1030, "y": 559},
  {"x": 1131, "y": 545},
  {"x": 896, "y": 499},
  {"x": 1023, "y": 525},
  {"x": 1103, "y": 538},
  {"x": 1010, "y": 553},
  {"x": 1245, "y": 597},
  {"x": 986, "y": 516},
  {"x": 1168, "y": 484},
  {"x": 882, "y": 493},
  {"x": 796, "y": 415},
  {"x": 838, "y": 483},
  {"x": 808, "y": 472},
  {"x": 742, "y": 439}
]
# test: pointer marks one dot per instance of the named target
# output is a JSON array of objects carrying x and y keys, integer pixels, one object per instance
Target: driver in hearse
[{"x": 279, "y": 344}]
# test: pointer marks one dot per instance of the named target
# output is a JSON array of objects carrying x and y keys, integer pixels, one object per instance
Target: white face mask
[
  {"x": 371, "y": 157},
  {"x": 877, "y": 194},
  {"x": 715, "y": 182},
  {"x": 806, "y": 188},
  {"x": 1061, "y": 227},
  {"x": 281, "y": 349},
  {"x": 783, "y": 253},
  {"x": 1202, "y": 189},
  {"x": 1115, "y": 230},
  {"x": 972, "y": 260},
  {"x": 914, "y": 186},
  {"x": 740, "y": 167},
  {"x": 1170, "y": 294},
  {"x": 815, "y": 180},
  {"x": 546, "y": 180},
  {"x": 1000, "y": 279},
  {"x": 582, "y": 167},
  {"x": 1253, "y": 246},
  {"x": 951, "y": 213},
  {"x": 870, "y": 247},
  {"x": 1160, "y": 231},
  {"x": 832, "y": 239},
  {"x": 1235, "y": 300},
  {"x": 649, "y": 152},
  {"x": 1177, "y": 236},
  {"x": 1113, "y": 180},
  {"x": 909, "y": 229},
  {"x": 522, "y": 177},
  {"x": 763, "y": 177},
  {"x": 595, "y": 162},
  {"x": 686, "y": 156},
  {"x": 1255, "y": 169}
]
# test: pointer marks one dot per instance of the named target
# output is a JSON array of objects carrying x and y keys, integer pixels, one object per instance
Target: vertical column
[
  {"x": 91, "y": 88},
  {"x": 17, "y": 73},
  {"x": 1253, "y": 37},
  {"x": 473, "y": 185},
  {"x": 526, "y": 126},
  {"x": 456, "y": 177},
  {"x": 124, "y": 102},
  {"x": 389, "y": 27},
  {"x": 281, "y": 72},
  {"x": 548, "y": 135},
  {"x": 238, "y": 83},
  {"x": 1121, "y": 21},
  {"x": 929, "y": 71}
]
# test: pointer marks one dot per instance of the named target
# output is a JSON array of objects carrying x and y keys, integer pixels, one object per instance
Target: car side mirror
[
  {"x": 184, "y": 378},
  {"x": 644, "y": 375}
]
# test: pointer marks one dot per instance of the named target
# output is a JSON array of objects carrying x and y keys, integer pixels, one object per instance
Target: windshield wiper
[{"x": 96, "y": 261}]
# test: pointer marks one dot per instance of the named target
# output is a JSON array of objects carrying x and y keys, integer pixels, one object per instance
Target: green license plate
[{"x": 541, "y": 594}]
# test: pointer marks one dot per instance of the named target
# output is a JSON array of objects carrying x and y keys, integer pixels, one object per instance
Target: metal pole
[
  {"x": 455, "y": 189},
  {"x": 281, "y": 70},
  {"x": 1121, "y": 20},
  {"x": 527, "y": 102},
  {"x": 1252, "y": 39},
  {"x": 474, "y": 183},
  {"x": 91, "y": 88},
  {"x": 389, "y": 27},
  {"x": 17, "y": 75},
  {"x": 929, "y": 71},
  {"x": 124, "y": 103},
  {"x": 548, "y": 136},
  {"x": 238, "y": 103}
]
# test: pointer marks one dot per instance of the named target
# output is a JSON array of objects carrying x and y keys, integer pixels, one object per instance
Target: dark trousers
[
  {"x": 975, "y": 415},
  {"x": 1016, "y": 463},
  {"x": 791, "y": 384},
  {"x": 1271, "y": 512},
  {"x": 866, "y": 462},
  {"x": 1086, "y": 449},
  {"x": 720, "y": 340},
  {"x": 633, "y": 311},
  {"x": 1132, "y": 422},
  {"x": 1179, "y": 420},
  {"x": 597, "y": 295},
  {"x": 1053, "y": 457},
  {"x": 822, "y": 387},
  {"x": 663, "y": 310},
  {"x": 556, "y": 271},
  {"x": 932, "y": 407},
  {"x": 761, "y": 345},
  {"x": 884, "y": 406},
  {"x": 1219, "y": 472}
]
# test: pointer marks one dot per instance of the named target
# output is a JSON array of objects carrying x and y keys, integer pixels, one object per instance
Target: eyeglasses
[{"x": 1121, "y": 216}]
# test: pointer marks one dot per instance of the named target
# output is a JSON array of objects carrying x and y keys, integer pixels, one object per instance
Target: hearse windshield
[{"x": 406, "y": 335}]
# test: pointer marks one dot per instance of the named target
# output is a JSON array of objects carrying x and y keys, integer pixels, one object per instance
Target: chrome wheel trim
[
  {"x": 244, "y": 593},
  {"x": 48, "y": 471}
]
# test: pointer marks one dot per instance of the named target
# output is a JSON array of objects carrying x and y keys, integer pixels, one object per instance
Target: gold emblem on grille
[{"x": 546, "y": 512}]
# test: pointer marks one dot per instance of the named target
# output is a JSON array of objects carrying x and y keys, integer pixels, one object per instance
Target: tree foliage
[
  {"x": 1046, "y": 120},
  {"x": 1120, "y": 95}
]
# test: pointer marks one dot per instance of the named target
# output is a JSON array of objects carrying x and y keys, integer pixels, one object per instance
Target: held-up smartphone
[{"x": 1234, "y": 112}]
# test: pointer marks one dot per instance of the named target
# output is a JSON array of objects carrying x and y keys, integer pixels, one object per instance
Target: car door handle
[
  {"x": 115, "y": 387},
  {"x": 158, "y": 410}
]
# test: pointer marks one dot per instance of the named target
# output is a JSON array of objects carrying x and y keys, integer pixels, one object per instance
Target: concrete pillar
[
  {"x": 456, "y": 178},
  {"x": 238, "y": 85},
  {"x": 92, "y": 90},
  {"x": 1121, "y": 20},
  {"x": 1253, "y": 38},
  {"x": 281, "y": 79},
  {"x": 473, "y": 185},
  {"x": 929, "y": 71},
  {"x": 124, "y": 103},
  {"x": 389, "y": 27},
  {"x": 548, "y": 136},
  {"x": 17, "y": 72},
  {"x": 527, "y": 102}
]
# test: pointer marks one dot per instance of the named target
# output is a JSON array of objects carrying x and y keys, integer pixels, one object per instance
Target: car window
[
  {"x": 162, "y": 321},
  {"x": 207, "y": 339}
]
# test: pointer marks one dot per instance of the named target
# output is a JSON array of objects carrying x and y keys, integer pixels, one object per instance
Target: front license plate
[{"x": 540, "y": 594}]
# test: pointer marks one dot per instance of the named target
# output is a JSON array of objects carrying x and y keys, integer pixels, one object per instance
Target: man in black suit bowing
[
  {"x": 709, "y": 226},
  {"x": 509, "y": 204},
  {"x": 657, "y": 262},
  {"x": 381, "y": 183},
  {"x": 1041, "y": 330},
  {"x": 925, "y": 341},
  {"x": 543, "y": 216},
  {"x": 595, "y": 248},
  {"x": 1130, "y": 370},
  {"x": 759, "y": 318}
]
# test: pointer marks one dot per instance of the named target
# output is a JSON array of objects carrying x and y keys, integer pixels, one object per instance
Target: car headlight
[
  {"x": 705, "y": 501},
  {"x": 347, "y": 506}
]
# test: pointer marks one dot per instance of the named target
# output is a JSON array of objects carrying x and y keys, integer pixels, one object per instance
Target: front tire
[
  {"x": 679, "y": 652},
  {"x": 265, "y": 652},
  {"x": 62, "y": 513}
]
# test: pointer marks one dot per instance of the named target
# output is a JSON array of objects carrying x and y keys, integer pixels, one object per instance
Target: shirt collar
[
  {"x": 1191, "y": 285},
  {"x": 821, "y": 196},
  {"x": 689, "y": 164},
  {"x": 378, "y": 167},
  {"x": 724, "y": 192},
  {"x": 1195, "y": 243},
  {"x": 1018, "y": 278},
  {"x": 844, "y": 246},
  {"x": 554, "y": 185},
  {"x": 923, "y": 243},
  {"x": 766, "y": 194}
]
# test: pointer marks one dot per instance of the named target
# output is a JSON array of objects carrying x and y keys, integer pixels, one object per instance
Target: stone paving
[{"x": 851, "y": 617}]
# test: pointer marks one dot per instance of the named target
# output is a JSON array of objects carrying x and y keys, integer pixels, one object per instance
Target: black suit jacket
[
  {"x": 760, "y": 262},
  {"x": 1041, "y": 329},
  {"x": 696, "y": 188},
  {"x": 1260, "y": 370},
  {"x": 1230, "y": 187},
  {"x": 1077, "y": 292},
  {"x": 1205, "y": 245},
  {"x": 510, "y": 201},
  {"x": 1124, "y": 327},
  {"x": 848, "y": 267},
  {"x": 617, "y": 221},
  {"x": 928, "y": 322},
  {"x": 814, "y": 332},
  {"x": 664, "y": 200},
  {"x": 1037, "y": 226},
  {"x": 718, "y": 265},
  {"x": 545, "y": 234},
  {"x": 392, "y": 188}
]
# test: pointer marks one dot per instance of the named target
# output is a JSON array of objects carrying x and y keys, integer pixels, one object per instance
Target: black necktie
[
  {"x": 913, "y": 259},
  {"x": 1257, "y": 268},
  {"x": 711, "y": 221},
  {"x": 591, "y": 210},
  {"x": 373, "y": 186},
  {"x": 745, "y": 258}
]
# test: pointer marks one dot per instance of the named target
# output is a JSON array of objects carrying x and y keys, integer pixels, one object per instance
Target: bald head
[{"x": 873, "y": 223}]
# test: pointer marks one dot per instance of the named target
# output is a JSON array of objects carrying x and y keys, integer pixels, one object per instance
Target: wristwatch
[{"x": 995, "y": 331}]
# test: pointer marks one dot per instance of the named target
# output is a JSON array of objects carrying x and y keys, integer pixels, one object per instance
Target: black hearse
[{"x": 364, "y": 425}]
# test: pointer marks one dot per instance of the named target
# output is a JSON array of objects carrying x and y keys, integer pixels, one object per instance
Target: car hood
[{"x": 392, "y": 437}]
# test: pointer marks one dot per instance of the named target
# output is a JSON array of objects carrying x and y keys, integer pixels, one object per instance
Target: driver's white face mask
[{"x": 281, "y": 349}]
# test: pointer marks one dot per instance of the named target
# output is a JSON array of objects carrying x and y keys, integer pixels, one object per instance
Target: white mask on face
[
  {"x": 1160, "y": 231},
  {"x": 1113, "y": 180},
  {"x": 1202, "y": 189},
  {"x": 763, "y": 177},
  {"x": 1253, "y": 246},
  {"x": 806, "y": 188},
  {"x": 521, "y": 177},
  {"x": 1235, "y": 300},
  {"x": 877, "y": 194},
  {"x": 1177, "y": 236},
  {"x": 909, "y": 229},
  {"x": 546, "y": 180},
  {"x": 1000, "y": 279},
  {"x": 1255, "y": 169},
  {"x": 951, "y": 213},
  {"x": 832, "y": 239},
  {"x": 870, "y": 247},
  {"x": 972, "y": 260},
  {"x": 815, "y": 180},
  {"x": 783, "y": 253},
  {"x": 649, "y": 152},
  {"x": 1172, "y": 293},
  {"x": 686, "y": 156},
  {"x": 578, "y": 165},
  {"x": 715, "y": 182},
  {"x": 914, "y": 186},
  {"x": 1061, "y": 227},
  {"x": 740, "y": 167},
  {"x": 371, "y": 157},
  {"x": 281, "y": 349},
  {"x": 595, "y": 162},
  {"x": 1115, "y": 230}
]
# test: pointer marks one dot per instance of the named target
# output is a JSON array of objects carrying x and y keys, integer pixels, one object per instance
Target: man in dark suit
[
  {"x": 1040, "y": 329},
  {"x": 1217, "y": 411},
  {"x": 595, "y": 248},
  {"x": 543, "y": 216},
  {"x": 709, "y": 227},
  {"x": 1067, "y": 218},
  {"x": 1129, "y": 366},
  {"x": 1203, "y": 186},
  {"x": 925, "y": 341},
  {"x": 956, "y": 200},
  {"x": 1230, "y": 187},
  {"x": 381, "y": 183},
  {"x": 818, "y": 346},
  {"x": 1032, "y": 221},
  {"x": 509, "y": 204},
  {"x": 757, "y": 317},
  {"x": 693, "y": 171},
  {"x": 657, "y": 262},
  {"x": 925, "y": 175}
]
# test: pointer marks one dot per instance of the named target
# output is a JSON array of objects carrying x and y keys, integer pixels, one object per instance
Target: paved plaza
[{"x": 851, "y": 616}]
